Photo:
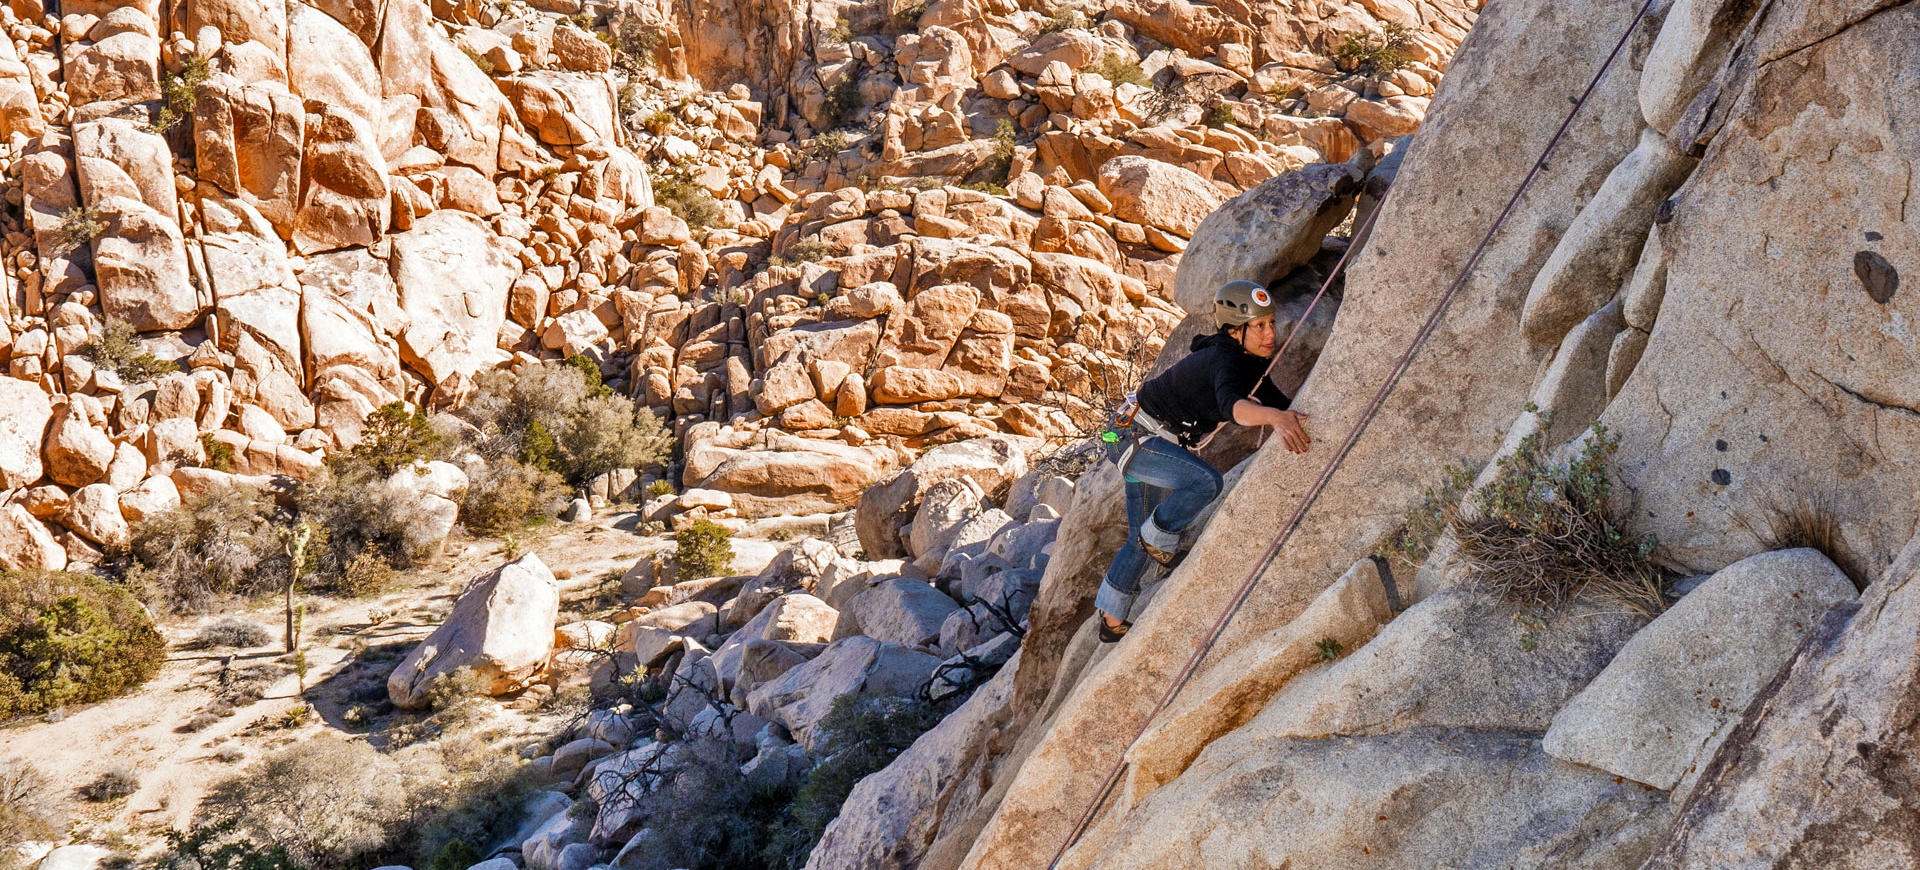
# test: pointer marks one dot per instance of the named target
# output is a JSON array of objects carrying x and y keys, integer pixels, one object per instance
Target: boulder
[
  {"x": 801, "y": 697},
  {"x": 790, "y": 475},
  {"x": 25, "y": 412},
  {"x": 452, "y": 277},
  {"x": 1147, "y": 192},
  {"x": 562, "y": 108},
  {"x": 140, "y": 263},
  {"x": 501, "y": 628},
  {"x": 154, "y": 496},
  {"x": 792, "y": 618},
  {"x": 248, "y": 141},
  {"x": 19, "y": 103},
  {"x": 124, "y": 66},
  {"x": 759, "y": 662},
  {"x": 890, "y": 817},
  {"x": 77, "y": 453},
  {"x": 94, "y": 513},
  {"x": 25, "y": 544},
  {"x": 900, "y": 610},
  {"x": 1265, "y": 233},
  {"x": 1660, "y": 709},
  {"x": 991, "y": 462},
  {"x": 947, "y": 506},
  {"x": 650, "y": 637},
  {"x": 1338, "y": 802},
  {"x": 1819, "y": 771},
  {"x": 796, "y": 569}
]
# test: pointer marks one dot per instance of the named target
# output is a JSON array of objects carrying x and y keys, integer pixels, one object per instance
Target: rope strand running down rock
[{"x": 1392, "y": 380}]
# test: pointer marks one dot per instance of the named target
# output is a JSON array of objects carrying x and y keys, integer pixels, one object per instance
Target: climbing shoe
[{"x": 1111, "y": 634}]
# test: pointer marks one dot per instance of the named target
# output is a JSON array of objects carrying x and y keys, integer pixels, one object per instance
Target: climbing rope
[{"x": 1313, "y": 493}]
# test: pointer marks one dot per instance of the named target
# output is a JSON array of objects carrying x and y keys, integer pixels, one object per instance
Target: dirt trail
[{"x": 143, "y": 733}]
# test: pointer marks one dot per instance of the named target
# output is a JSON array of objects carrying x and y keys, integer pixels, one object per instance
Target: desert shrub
[
  {"x": 507, "y": 494},
  {"x": 859, "y": 736},
  {"x": 353, "y": 513},
  {"x": 220, "y": 543},
  {"x": 1376, "y": 54},
  {"x": 907, "y": 17},
  {"x": 658, "y": 123},
  {"x": 1219, "y": 116},
  {"x": 706, "y": 816},
  {"x": 703, "y": 549},
  {"x": 811, "y": 249},
  {"x": 1424, "y": 523},
  {"x": 70, "y": 639},
  {"x": 117, "y": 350},
  {"x": 1000, "y": 159},
  {"x": 593, "y": 431},
  {"x": 1121, "y": 71},
  {"x": 843, "y": 101},
  {"x": 841, "y": 31},
  {"x": 828, "y": 144},
  {"x": 177, "y": 97},
  {"x": 79, "y": 226},
  {"x": 1064, "y": 18},
  {"x": 326, "y": 801},
  {"x": 687, "y": 200},
  {"x": 634, "y": 43},
  {"x": 468, "y": 797},
  {"x": 660, "y": 487},
  {"x": 232, "y": 632},
  {"x": 219, "y": 453},
  {"x": 216, "y": 846},
  {"x": 113, "y": 785},
  {"x": 1540, "y": 533},
  {"x": 590, "y": 374},
  {"x": 394, "y": 438},
  {"x": 1806, "y": 514},
  {"x": 479, "y": 60},
  {"x": 366, "y": 574},
  {"x": 28, "y": 808}
]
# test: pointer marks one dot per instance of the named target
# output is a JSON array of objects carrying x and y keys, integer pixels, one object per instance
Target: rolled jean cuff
[{"x": 1113, "y": 602}]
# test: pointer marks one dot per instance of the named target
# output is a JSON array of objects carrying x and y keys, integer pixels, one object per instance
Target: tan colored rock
[
  {"x": 856, "y": 665},
  {"x": 501, "y": 627},
  {"x": 573, "y": 333},
  {"x": 129, "y": 465},
  {"x": 579, "y": 51},
  {"x": 154, "y": 496},
  {"x": 1390, "y": 118},
  {"x": 562, "y": 108},
  {"x": 990, "y": 463},
  {"x": 248, "y": 140},
  {"x": 141, "y": 265},
  {"x": 77, "y": 453},
  {"x": 790, "y": 475},
  {"x": 125, "y": 66},
  {"x": 346, "y": 201},
  {"x": 25, "y": 413},
  {"x": 1156, "y": 194},
  {"x": 452, "y": 277},
  {"x": 26, "y": 545},
  {"x": 897, "y": 385},
  {"x": 94, "y": 514},
  {"x": 19, "y": 102},
  {"x": 115, "y": 157}
]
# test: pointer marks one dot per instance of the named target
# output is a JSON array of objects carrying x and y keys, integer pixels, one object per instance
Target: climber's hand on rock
[{"x": 1292, "y": 434}]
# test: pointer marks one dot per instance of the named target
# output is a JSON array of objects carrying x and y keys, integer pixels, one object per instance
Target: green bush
[
  {"x": 1219, "y": 116},
  {"x": 28, "y": 809},
  {"x": 687, "y": 200},
  {"x": 354, "y": 512},
  {"x": 703, "y": 549},
  {"x": 1121, "y": 71},
  {"x": 660, "y": 487},
  {"x": 177, "y": 97},
  {"x": 811, "y": 249},
  {"x": 634, "y": 43},
  {"x": 859, "y": 736},
  {"x": 79, "y": 226},
  {"x": 843, "y": 101},
  {"x": 220, "y": 543},
  {"x": 219, "y": 453},
  {"x": 394, "y": 438},
  {"x": 117, "y": 350},
  {"x": 593, "y": 430},
  {"x": 828, "y": 144},
  {"x": 1064, "y": 18},
  {"x": 507, "y": 494},
  {"x": 1376, "y": 54},
  {"x": 1541, "y": 533},
  {"x": 216, "y": 847},
  {"x": 479, "y": 60},
  {"x": 70, "y": 639}
]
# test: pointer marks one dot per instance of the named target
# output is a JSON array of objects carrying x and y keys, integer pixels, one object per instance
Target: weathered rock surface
[
  {"x": 1661, "y": 708},
  {"x": 501, "y": 627},
  {"x": 855, "y": 665},
  {"x": 1263, "y": 234}
]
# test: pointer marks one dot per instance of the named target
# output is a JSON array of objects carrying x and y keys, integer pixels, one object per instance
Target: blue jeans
[{"x": 1189, "y": 484}]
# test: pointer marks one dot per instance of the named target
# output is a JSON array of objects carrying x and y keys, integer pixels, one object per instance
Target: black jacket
[{"x": 1199, "y": 392}]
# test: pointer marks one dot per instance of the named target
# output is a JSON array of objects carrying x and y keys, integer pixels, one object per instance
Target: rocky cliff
[
  {"x": 1707, "y": 265},
  {"x": 892, "y": 228}
]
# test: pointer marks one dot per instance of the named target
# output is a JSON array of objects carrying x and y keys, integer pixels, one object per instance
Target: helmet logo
[{"x": 1260, "y": 297}]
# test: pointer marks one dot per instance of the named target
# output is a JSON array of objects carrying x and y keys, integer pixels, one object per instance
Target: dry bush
[
  {"x": 117, "y": 349},
  {"x": 1807, "y": 515},
  {"x": 505, "y": 495},
  {"x": 1376, "y": 54},
  {"x": 366, "y": 574},
  {"x": 29, "y": 809},
  {"x": 356, "y": 513},
  {"x": 222, "y": 543},
  {"x": 70, "y": 639},
  {"x": 1541, "y": 534},
  {"x": 232, "y": 632},
  {"x": 559, "y": 417},
  {"x": 328, "y": 802},
  {"x": 113, "y": 785}
]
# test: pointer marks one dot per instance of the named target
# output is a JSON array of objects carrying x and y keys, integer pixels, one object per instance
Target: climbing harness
[
  {"x": 1134, "y": 425},
  {"x": 1192, "y": 666}
]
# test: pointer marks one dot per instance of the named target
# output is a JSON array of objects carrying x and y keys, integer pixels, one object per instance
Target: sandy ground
[{"x": 143, "y": 733}]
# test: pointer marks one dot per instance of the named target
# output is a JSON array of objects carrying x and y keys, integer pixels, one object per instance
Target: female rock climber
[{"x": 1149, "y": 436}]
